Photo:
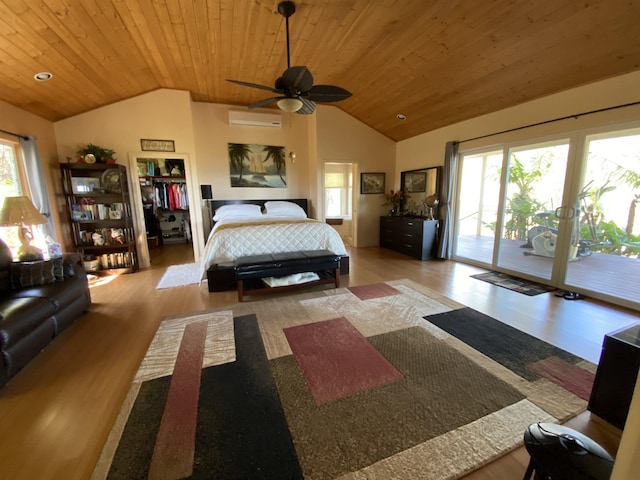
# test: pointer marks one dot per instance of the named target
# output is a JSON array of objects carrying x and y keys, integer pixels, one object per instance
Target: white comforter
[{"x": 232, "y": 239}]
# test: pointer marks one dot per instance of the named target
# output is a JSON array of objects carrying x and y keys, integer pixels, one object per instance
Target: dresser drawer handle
[{"x": 410, "y": 224}]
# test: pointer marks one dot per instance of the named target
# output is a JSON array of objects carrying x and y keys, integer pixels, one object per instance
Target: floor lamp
[{"x": 20, "y": 212}]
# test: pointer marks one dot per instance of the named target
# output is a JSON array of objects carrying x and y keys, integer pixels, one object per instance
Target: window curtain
[
  {"x": 448, "y": 173},
  {"x": 37, "y": 183}
]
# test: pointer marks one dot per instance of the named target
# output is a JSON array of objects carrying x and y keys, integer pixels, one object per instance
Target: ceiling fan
[{"x": 295, "y": 86}]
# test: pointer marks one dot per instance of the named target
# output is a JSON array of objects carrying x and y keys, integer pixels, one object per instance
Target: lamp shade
[
  {"x": 290, "y": 104},
  {"x": 20, "y": 211}
]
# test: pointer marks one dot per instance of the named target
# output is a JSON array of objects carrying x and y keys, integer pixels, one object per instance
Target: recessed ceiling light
[
  {"x": 401, "y": 116},
  {"x": 43, "y": 76}
]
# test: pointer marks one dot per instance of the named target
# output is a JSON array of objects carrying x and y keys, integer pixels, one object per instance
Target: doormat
[{"x": 513, "y": 283}]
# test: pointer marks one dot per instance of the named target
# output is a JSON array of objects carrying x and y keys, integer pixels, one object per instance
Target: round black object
[{"x": 560, "y": 453}]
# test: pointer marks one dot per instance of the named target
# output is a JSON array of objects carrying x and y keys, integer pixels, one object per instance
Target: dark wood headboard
[{"x": 214, "y": 204}]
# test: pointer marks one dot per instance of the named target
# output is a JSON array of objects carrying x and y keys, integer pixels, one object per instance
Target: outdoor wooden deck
[{"x": 601, "y": 274}]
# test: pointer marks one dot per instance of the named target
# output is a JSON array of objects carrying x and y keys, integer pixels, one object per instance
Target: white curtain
[
  {"x": 37, "y": 182},
  {"x": 445, "y": 246}
]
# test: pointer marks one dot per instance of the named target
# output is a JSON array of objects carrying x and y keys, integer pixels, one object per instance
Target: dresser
[{"x": 412, "y": 236}]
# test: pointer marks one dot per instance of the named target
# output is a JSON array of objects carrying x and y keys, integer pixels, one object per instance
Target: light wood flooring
[{"x": 57, "y": 412}]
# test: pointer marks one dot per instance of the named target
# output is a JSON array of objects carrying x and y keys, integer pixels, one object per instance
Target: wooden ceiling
[{"x": 436, "y": 61}]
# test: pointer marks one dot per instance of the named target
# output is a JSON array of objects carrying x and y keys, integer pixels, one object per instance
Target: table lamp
[{"x": 19, "y": 211}]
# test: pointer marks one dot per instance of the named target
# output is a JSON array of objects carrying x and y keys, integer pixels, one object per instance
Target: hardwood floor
[{"x": 57, "y": 412}]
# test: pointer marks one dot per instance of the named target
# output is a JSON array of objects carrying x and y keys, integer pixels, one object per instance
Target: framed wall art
[
  {"x": 372, "y": 182},
  {"x": 415, "y": 182},
  {"x": 151, "y": 145},
  {"x": 252, "y": 165}
]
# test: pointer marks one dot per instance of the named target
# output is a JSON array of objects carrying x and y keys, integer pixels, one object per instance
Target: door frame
[
  {"x": 354, "y": 196},
  {"x": 195, "y": 214}
]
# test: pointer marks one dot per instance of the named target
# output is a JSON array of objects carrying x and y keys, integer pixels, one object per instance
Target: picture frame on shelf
[
  {"x": 84, "y": 184},
  {"x": 81, "y": 215},
  {"x": 372, "y": 183}
]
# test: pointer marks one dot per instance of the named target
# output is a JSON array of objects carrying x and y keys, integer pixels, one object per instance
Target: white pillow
[
  {"x": 229, "y": 212},
  {"x": 277, "y": 208}
]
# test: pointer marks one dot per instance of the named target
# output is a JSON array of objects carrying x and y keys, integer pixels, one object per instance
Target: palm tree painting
[{"x": 253, "y": 165}]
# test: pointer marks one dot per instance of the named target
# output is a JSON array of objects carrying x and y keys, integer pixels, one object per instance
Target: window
[
  {"x": 11, "y": 185},
  {"x": 338, "y": 187}
]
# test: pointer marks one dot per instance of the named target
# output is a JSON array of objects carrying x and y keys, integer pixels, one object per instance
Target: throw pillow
[
  {"x": 29, "y": 274},
  {"x": 58, "y": 269}
]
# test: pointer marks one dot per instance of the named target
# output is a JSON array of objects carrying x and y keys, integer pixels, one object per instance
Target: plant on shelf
[{"x": 93, "y": 153}]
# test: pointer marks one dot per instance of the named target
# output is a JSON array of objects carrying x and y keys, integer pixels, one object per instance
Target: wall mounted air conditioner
[{"x": 255, "y": 119}]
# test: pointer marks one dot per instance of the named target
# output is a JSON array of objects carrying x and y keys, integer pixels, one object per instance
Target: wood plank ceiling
[{"x": 436, "y": 61}]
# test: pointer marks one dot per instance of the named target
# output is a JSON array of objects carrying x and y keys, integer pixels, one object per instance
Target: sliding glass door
[
  {"x": 534, "y": 187},
  {"x": 530, "y": 211},
  {"x": 478, "y": 199},
  {"x": 606, "y": 223}
]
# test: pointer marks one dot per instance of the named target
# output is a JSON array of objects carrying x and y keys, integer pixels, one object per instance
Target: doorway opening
[
  {"x": 338, "y": 199},
  {"x": 162, "y": 203}
]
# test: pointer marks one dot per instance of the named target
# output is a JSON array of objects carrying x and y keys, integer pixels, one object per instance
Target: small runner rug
[
  {"x": 180, "y": 275},
  {"x": 381, "y": 381},
  {"x": 514, "y": 283}
]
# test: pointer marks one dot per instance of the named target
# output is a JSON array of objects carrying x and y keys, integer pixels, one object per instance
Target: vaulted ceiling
[{"x": 436, "y": 61}]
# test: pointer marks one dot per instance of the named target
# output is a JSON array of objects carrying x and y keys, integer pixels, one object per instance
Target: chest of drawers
[{"x": 412, "y": 236}]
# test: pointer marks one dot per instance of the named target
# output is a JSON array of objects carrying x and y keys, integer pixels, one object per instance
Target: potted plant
[{"x": 93, "y": 153}]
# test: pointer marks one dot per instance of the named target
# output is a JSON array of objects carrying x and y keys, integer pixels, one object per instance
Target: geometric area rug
[{"x": 371, "y": 382}]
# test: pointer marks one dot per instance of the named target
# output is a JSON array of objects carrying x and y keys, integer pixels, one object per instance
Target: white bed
[{"x": 274, "y": 232}]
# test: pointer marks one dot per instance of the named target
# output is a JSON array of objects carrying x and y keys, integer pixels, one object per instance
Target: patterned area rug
[
  {"x": 364, "y": 383},
  {"x": 514, "y": 283},
  {"x": 180, "y": 275}
]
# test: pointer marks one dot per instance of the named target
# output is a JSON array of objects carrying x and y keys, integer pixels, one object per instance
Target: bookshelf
[{"x": 99, "y": 209}]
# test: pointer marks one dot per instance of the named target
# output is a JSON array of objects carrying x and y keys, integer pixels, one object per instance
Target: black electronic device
[{"x": 558, "y": 452}]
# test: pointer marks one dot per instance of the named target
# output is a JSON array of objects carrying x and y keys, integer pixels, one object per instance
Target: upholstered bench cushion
[{"x": 286, "y": 263}]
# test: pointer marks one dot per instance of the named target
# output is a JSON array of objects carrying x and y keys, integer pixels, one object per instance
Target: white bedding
[{"x": 229, "y": 239}]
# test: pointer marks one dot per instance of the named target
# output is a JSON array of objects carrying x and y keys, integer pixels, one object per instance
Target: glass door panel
[
  {"x": 607, "y": 221},
  {"x": 478, "y": 206},
  {"x": 529, "y": 227}
]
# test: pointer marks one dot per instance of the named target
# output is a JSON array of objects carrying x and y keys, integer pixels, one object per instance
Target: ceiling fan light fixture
[{"x": 290, "y": 104}]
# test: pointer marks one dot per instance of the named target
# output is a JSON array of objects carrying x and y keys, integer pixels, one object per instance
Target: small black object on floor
[
  {"x": 569, "y": 295},
  {"x": 558, "y": 452}
]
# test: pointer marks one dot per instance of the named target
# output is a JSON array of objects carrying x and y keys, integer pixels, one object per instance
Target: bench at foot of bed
[
  {"x": 222, "y": 276},
  {"x": 252, "y": 269}
]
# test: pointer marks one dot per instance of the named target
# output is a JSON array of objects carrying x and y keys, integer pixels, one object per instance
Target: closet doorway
[{"x": 162, "y": 201}]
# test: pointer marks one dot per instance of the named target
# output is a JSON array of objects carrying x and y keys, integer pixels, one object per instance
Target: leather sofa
[{"x": 38, "y": 301}]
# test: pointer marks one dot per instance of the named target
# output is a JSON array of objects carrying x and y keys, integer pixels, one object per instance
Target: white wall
[
  {"x": 163, "y": 114},
  {"x": 201, "y": 133},
  {"x": 428, "y": 149},
  {"x": 343, "y": 139}
]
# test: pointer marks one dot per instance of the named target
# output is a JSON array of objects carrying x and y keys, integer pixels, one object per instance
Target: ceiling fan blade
[
  {"x": 308, "y": 107},
  {"x": 254, "y": 85},
  {"x": 265, "y": 102},
  {"x": 328, "y": 93},
  {"x": 297, "y": 78}
]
